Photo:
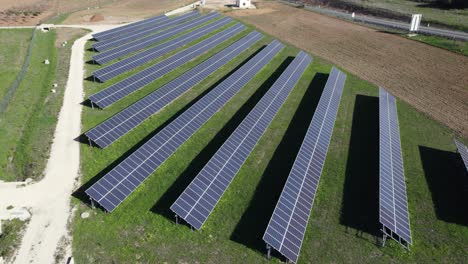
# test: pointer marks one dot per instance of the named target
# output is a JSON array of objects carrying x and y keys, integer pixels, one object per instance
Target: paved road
[
  {"x": 405, "y": 26},
  {"x": 460, "y": 35}
]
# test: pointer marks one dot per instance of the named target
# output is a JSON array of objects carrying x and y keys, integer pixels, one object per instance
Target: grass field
[
  {"x": 11, "y": 237},
  {"x": 27, "y": 125},
  {"x": 344, "y": 223},
  {"x": 444, "y": 43},
  {"x": 14, "y": 43}
]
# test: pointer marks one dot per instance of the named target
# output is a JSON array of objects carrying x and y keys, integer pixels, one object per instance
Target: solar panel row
[
  {"x": 198, "y": 200},
  {"x": 135, "y": 82},
  {"x": 118, "y": 125},
  {"x": 463, "y": 150},
  {"x": 145, "y": 42},
  {"x": 287, "y": 226},
  {"x": 393, "y": 202},
  {"x": 133, "y": 35},
  {"x": 141, "y": 58},
  {"x": 121, "y": 181},
  {"x": 112, "y": 33}
]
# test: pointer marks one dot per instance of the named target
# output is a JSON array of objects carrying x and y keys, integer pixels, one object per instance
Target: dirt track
[{"x": 433, "y": 80}]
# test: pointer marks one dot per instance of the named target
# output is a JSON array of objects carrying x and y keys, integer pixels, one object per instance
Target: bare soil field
[
  {"x": 125, "y": 11},
  {"x": 433, "y": 80},
  {"x": 32, "y": 12}
]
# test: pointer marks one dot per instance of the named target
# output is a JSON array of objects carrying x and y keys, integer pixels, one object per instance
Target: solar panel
[
  {"x": 287, "y": 226},
  {"x": 148, "y": 41},
  {"x": 117, "y": 185},
  {"x": 117, "y": 91},
  {"x": 118, "y": 125},
  {"x": 112, "y": 33},
  {"x": 134, "y": 35},
  {"x": 198, "y": 200},
  {"x": 463, "y": 150},
  {"x": 393, "y": 202},
  {"x": 141, "y": 58}
]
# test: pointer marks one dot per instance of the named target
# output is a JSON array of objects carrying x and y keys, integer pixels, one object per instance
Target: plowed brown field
[{"x": 433, "y": 80}]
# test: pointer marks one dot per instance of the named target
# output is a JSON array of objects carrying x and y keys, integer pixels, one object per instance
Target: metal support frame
[
  {"x": 92, "y": 203},
  {"x": 268, "y": 247},
  {"x": 386, "y": 234},
  {"x": 176, "y": 219}
]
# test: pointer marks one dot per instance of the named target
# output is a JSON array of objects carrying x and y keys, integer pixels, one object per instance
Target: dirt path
[
  {"x": 49, "y": 199},
  {"x": 433, "y": 80}
]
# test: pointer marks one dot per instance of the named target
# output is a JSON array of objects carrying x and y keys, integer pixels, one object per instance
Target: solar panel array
[
  {"x": 198, "y": 200},
  {"x": 463, "y": 150},
  {"x": 117, "y": 91},
  {"x": 146, "y": 56},
  {"x": 133, "y": 35},
  {"x": 121, "y": 181},
  {"x": 287, "y": 226},
  {"x": 118, "y": 125},
  {"x": 145, "y": 42},
  {"x": 393, "y": 202},
  {"x": 115, "y": 32}
]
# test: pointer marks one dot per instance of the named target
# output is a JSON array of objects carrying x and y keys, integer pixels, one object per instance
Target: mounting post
[
  {"x": 92, "y": 203},
  {"x": 384, "y": 238},
  {"x": 268, "y": 247},
  {"x": 176, "y": 219}
]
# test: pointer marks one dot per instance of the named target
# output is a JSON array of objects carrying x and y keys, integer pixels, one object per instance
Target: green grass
[
  {"x": 457, "y": 46},
  {"x": 142, "y": 228},
  {"x": 28, "y": 124},
  {"x": 14, "y": 43},
  {"x": 58, "y": 19},
  {"x": 11, "y": 237}
]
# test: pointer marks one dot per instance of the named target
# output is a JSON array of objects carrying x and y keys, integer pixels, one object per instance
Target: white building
[{"x": 243, "y": 3}]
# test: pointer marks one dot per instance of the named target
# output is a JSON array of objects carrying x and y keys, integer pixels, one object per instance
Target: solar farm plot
[
  {"x": 114, "y": 187},
  {"x": 198, "y": 200},
  {"x": 120, "y": 124},
  {"x": 286, "y": 229},
  {"x": 113, "y": 33},
  {"x": 463, "y": 150},
  {"x": 393, "y": 204},
  {"x": 144, "y": 57},
  {"x": 145, "y": 42},
  {"x": 134, "y": 35},
  {"x": 135, "y": 82}
]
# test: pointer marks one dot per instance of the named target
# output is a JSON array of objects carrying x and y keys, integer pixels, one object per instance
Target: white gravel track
[{"x": 49, "y": 200}]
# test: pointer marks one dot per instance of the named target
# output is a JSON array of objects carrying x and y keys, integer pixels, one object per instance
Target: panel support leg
[
  {"x": 176, "y": 219},
  {"x": 268, "y": 247},
  {"x": 384, "y": 237},
  {"x": 92, "y": 203}
]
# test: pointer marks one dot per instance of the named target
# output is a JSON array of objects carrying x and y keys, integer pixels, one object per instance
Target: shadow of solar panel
[
  {"x": 112, "y": 33},
  {"x": 287, "y": 226},
  {"x": 148, "y": 41},
  {"x": 463, "y": 150},
  {"x": 117, "y": 185},
  {"x": 133, "y": 83},
  {"x": 134, "y": 35},
  {"x": 393, "y": 202},
  {"x": 118, "y": 125},
  {"x": 198, "y": 200}
]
